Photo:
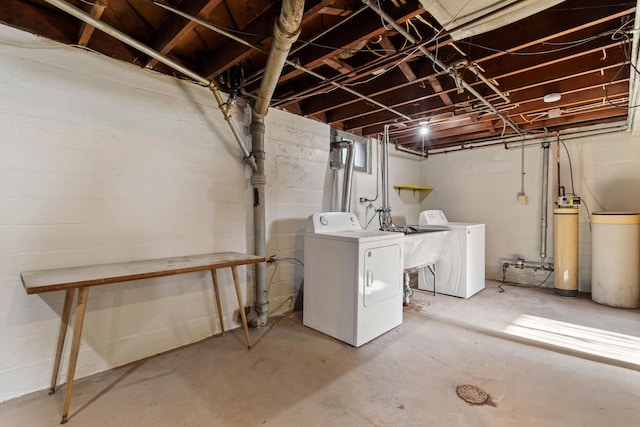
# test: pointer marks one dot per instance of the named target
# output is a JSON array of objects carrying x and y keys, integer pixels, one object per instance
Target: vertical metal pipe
[
  {"x": 558, "y": 164},
  {"x": 259, "y": 181},
  {"x": 633, "y": 78},
  {"x": 286, "y": 31},
  {"x": 543, "y": 213},
  {"x": 385, "y": 215}
]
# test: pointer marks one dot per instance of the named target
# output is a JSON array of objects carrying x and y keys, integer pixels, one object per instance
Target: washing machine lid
[
  {"x": 455, "y": 225},
  {"x": 359, "y": 236}
]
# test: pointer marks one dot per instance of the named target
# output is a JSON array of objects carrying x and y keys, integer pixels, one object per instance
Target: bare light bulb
[{"x": 424, "y": 129}]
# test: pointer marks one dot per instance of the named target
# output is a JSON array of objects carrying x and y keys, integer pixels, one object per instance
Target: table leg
[
  {"x": 75, "y": 347},
  {"x": 64, "y": 322},
  {"x": 236, "y": 281},
  {"x": 433, "y": 271},
  {"x": 216, "y": 290}
]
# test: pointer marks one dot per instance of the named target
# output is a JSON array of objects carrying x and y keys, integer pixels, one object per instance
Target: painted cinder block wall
[
  {"x": 481, "y": 185},
  {"x": 103, "y": 162}
]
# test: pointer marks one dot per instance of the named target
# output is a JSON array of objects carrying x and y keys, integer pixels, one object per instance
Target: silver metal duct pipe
[
  {"x": 117, "y": 34},
  {"x": 374, "y": 6},
  {"x": 347, "y": 179},
  {"x": 285, "y": 31},
  {"x": 288, "y": 62}
]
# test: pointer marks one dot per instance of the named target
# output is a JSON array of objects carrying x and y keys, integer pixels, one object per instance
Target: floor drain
[{"x": 473, "y": 395}]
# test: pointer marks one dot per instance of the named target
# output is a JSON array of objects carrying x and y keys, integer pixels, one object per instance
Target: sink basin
[{"x": 423, "y": 245}]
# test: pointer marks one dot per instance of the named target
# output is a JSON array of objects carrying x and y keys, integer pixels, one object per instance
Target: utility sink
[{"x": 423, "y": 244}]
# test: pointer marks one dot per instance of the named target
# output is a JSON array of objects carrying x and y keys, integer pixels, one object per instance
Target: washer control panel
[{"x": 432, "y": 217}]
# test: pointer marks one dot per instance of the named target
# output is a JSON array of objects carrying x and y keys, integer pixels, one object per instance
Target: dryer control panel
[{"x": 330, "y": 222}]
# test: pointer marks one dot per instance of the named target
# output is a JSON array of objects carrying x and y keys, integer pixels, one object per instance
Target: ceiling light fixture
[
  {"x": 552, "y": 97},
  {"x": 424, "y": 129}
]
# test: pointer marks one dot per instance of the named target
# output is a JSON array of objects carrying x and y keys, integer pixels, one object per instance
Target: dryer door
[{"x": 382, "y": 274}]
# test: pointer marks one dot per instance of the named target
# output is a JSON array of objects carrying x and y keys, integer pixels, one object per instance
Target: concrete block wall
[
  {"x": 301, "y": 183},
  {"x": 103, "y": 162},
  {"x": 481, "y": 185}
]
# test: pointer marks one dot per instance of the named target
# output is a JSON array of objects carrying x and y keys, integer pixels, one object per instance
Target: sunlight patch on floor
[{"x": 594, "y": 341}]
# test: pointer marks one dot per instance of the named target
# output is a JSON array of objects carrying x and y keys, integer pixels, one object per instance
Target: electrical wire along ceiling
[{"x": 470, "y": 71}]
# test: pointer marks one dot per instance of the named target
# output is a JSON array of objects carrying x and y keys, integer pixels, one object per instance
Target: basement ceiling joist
[{"x": 578, "y": 48}]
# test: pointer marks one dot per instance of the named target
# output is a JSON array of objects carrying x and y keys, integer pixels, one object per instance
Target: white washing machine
[
  {"x": 461, "y": 267},
  {"x": 352, "y": 278}
]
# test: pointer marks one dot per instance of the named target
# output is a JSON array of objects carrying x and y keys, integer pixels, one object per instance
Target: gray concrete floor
[{"x": 407, "y": 377}]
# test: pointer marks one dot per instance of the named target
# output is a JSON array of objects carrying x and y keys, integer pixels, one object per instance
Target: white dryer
[
  {"x": 461, "y": 267},
  {"x": 352, "y": 278}
]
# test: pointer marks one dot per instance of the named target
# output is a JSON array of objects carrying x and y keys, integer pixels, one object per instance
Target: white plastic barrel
[{"x": 615, "y": 264}]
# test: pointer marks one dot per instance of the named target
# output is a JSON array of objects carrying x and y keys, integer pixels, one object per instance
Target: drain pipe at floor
[{"x": 286, "y": 31}]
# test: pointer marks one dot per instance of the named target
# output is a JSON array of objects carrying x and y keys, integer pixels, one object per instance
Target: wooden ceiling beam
[
  {"x": 373, "y": 89},
  {"x": 437, "y": 87},
  {"x": 47, "y": 22},
  {"x": 546, "y": 26},
  {"x": 590, "y": 79},
  {"x": 561, "y": 70},
  {"x": 175, "y": 28},
  {"x": 547, "y": 72},
  {"x": 339, "y": 65},
  {"x": 367, "y": 26},
  {"x": 234, "y": 53},
  {"x": 578, "y": 66},
  {"x": 86, "y": 30},
  {"x": 595, "y": 114},
  {"x": 502, "y": 69},
  {"x": 403, "y": 64}
]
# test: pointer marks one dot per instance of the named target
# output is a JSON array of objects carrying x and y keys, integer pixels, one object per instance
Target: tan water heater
[{"x": 565, "y": 251}]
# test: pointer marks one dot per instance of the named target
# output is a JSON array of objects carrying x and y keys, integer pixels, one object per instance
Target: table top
[{"x": 76, "y": 277}]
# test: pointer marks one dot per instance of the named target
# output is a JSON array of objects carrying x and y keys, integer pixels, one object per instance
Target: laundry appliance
[
  {"x": 352, "y": 278},
  {"x": 461, "y": 267}
]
